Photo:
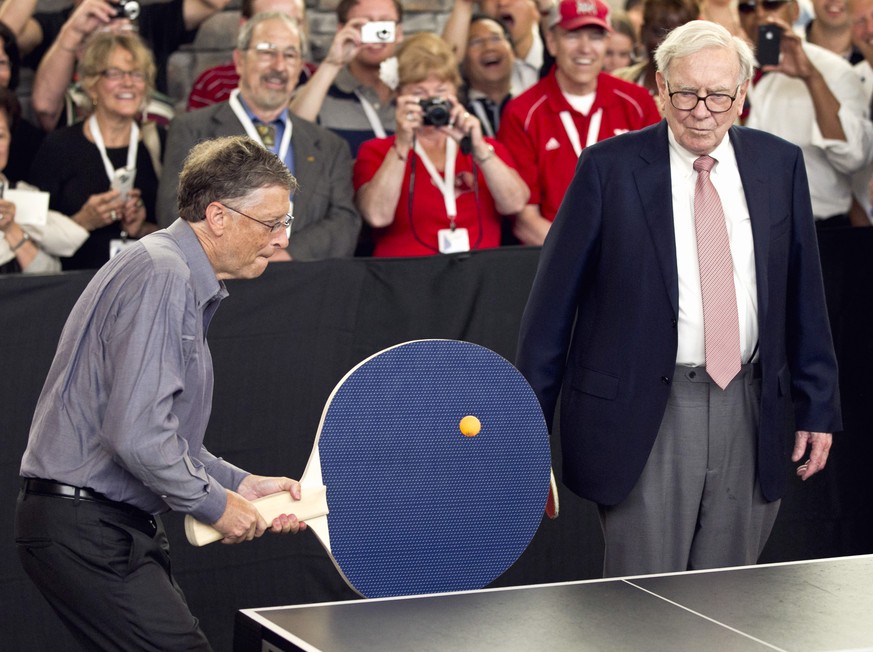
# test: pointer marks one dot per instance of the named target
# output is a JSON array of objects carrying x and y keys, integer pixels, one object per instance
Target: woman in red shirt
[{"x": 437, "y": 185}]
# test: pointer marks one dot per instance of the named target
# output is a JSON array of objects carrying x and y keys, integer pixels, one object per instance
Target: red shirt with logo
[{"x": 533, "y": 131}]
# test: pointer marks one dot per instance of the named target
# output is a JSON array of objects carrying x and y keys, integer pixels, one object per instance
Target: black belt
[
  {"x": 40, "y": 487},
  {"x": 52, "y": 488}
]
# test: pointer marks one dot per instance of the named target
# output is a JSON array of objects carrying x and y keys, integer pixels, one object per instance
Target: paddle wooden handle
[{"x": 312, "y": 503}]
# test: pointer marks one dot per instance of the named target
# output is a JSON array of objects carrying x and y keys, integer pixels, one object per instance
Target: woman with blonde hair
[
  {"x": 103, "y": 172},
  {"x": 437, "y": 185}
]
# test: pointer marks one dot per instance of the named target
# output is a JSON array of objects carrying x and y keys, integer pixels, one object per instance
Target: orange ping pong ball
[{"x": 470, "y": 426}]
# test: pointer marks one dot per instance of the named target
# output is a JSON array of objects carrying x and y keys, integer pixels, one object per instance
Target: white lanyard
[
  {"x": 372, "y": 116},
  {"x": 252, "y": 132},
  {"x": 573, "y": 133},
  {"x": 132, "y": 146},
  {"x": 479, "y": 110},
  {"x": 447, "y": 184}
]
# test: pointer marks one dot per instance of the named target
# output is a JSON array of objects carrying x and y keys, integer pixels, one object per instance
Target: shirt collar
[
  {"x": 723, "y": 153},
  {"x": 346, "y": 81},
  {"x": 206, "y": 286}
]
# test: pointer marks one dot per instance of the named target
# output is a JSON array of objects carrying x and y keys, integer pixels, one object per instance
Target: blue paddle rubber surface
[{"x": 416, "y": 506}]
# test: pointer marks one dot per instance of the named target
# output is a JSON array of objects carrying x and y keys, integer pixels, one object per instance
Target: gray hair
[
  {"x": 244, "y": 38},
  {"x": 697, "y": 35},
  {"x": 228, "y": 168}
]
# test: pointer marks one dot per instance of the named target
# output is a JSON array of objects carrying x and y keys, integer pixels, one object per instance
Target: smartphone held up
[{"x": 769, "y": 44}]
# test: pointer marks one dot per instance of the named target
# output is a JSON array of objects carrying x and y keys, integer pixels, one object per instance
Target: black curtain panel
[{"x": 281, "y": 342}]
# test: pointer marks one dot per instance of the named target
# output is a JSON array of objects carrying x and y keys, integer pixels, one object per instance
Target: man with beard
[
  {"x": 346, "y": 93},
  {"x": 268, "y": 60},
  {"x": 215, "y": 84}
]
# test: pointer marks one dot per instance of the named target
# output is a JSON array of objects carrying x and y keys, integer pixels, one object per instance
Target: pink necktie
[{"x": 721, "y": 329}]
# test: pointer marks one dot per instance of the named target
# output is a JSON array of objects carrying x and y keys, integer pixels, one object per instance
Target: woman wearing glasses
[
  {"x": 437, "y": 185},
  {"x": 103, "y": 172}
]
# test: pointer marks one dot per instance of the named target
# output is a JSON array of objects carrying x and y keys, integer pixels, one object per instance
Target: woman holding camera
[
  {"x": 103, "y": 172},
  {"x": 437, "y": 185}
]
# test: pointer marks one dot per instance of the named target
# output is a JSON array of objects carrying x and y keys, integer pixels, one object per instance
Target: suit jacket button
[
  {"x": 665, "y": 380},
  {"x": 673, "y": 323}
]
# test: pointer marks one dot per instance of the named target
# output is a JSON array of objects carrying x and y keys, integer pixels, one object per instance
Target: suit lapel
[
  {"x": 654, "y": 187},
  {"x": 226, "y": 122},
  {"x": 307, "y": 154},
  {"x": 755, "y": 188}
]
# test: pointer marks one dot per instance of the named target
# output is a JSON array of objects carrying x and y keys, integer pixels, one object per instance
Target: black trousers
[{"x": 105, "y": 570}]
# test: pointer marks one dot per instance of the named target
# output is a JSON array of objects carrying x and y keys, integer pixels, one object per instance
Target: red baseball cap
[{"x": 573, "y": 14}]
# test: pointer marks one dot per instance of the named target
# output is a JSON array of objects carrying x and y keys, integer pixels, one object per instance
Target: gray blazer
[{"x": 326, "y": 222}]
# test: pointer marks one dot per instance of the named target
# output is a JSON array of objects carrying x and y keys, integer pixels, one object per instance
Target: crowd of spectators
[{"x": 403, "y": 144}]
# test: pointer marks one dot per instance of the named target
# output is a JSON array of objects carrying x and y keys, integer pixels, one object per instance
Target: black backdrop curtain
[{"x": 281, "y": 342}]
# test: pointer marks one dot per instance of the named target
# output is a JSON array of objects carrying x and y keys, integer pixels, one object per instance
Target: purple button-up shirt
[{"x": 127, "y": 399}]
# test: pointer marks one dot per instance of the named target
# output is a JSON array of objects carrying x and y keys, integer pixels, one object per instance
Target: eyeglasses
[
  {"x": 480, "y": 41},
  {"x": 273, "y": 226},
  {"x": 714, "y": 102},
  {"x": 117, "y": 74},
  {"x": 767, "y": 5},
  {"x": 269, "y": 52}
]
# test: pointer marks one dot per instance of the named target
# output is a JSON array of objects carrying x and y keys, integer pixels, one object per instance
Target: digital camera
[
  {"x": 378, "y": 31},
  {"x": 127, "y": 9},
  {"x": 437, "y": 111}
]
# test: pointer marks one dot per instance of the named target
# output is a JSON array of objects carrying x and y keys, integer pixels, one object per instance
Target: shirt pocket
[{"x": 596, "y": 383}]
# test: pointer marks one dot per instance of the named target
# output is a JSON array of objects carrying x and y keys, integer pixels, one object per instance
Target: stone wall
[{"x": 216, "y": 37}]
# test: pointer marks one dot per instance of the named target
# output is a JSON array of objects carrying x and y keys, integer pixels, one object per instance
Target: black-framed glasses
[
  {"x": 768, "y": 5},
  {"x": 714, "y": 102},
  {"x": 273, "y": 226}
]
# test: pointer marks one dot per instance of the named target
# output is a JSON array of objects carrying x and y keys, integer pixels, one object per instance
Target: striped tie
[{"x": 721, "y": 330}]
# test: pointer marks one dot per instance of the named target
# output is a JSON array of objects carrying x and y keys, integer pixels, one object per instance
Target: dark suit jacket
[
  {"x": 600, "y": 323},
  {"x": 326, "y": 222}
]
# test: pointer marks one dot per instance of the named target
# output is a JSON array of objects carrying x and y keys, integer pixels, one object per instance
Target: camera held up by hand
[
  {"x": 437, "y": 111},
  {"x": 127, "y": 9}
]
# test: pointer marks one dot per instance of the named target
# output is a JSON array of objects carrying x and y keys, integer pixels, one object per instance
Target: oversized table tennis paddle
[{"x": 420, "y": 497}]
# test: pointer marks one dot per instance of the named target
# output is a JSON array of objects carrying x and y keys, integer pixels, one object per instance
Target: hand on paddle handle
[{"x": 241, "y": 520}]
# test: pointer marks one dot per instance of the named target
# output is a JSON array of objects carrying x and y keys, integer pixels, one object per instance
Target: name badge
[{"x": 453, "y": 241}]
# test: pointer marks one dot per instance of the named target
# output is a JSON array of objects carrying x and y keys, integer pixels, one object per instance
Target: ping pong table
[{"x": 811, "y": 605}]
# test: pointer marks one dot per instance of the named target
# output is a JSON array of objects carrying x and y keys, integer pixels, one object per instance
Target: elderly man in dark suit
[
  {"x": 268, "y": 58},
  {"x": 679, "y": 308}
]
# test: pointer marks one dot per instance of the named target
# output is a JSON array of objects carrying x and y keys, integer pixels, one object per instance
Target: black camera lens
[{"x": 436, "y": 110}]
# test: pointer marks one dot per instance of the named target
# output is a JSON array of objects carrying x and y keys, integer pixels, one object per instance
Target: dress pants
[
  {"x": 697, "y": 503},
  {"x": 105, "y": 570}
]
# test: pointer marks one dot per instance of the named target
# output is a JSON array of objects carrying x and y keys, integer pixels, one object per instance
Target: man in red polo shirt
[{"x": 576, "y": 105}]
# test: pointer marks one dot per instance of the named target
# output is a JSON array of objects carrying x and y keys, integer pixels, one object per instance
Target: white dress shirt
[
  {"x": 782, "y": 105},
  {"x": 725, "y": 177},
  {"x": 526, "y": 72},
  {"x": 861, "y": 178}
]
